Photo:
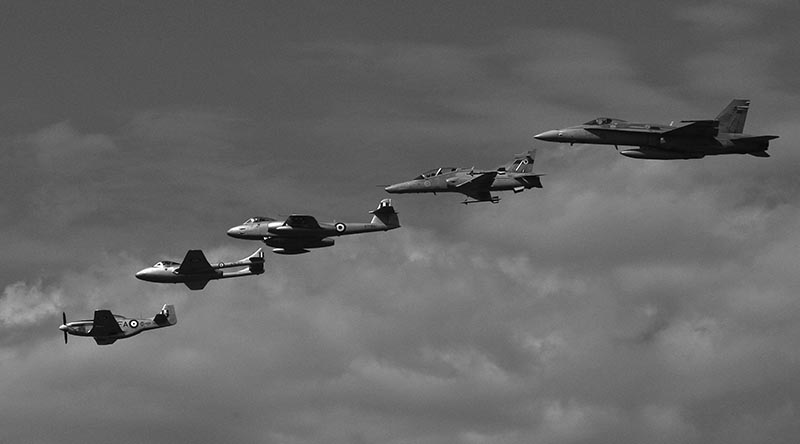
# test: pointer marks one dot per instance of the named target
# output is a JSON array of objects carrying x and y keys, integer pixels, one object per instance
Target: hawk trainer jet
[
  {"x": 478, "y": 185},
  {"x": 690, "y": 139},
  {"x": 195, "y": 271},
  {"x": 298, "y": 233},
  {"x": 106, "y": 328}
]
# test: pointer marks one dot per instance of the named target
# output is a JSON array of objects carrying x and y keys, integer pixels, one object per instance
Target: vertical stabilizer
[
  {"x": 385, "y": 215},
  {"x": 522, "y": 163},
  {"x": 731, "y": 119},
  {"x": 166, "y": 316}
]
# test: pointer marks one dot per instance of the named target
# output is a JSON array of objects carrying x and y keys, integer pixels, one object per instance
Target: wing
[
  {"x": 195, "y": 263},
  {"x": 302, "y": 221},
  {"x": 696, "y": 128},
  {"x": 104, "y": 341},
  {"x": 104, "y": 324},
  {"x": 478, "y": 187},
  {"x": 196, "y": 285}
]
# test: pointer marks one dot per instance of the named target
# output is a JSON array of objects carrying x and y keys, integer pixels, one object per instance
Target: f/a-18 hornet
[
  {"x": 106, "y": 327},
  {"x": 195, "y": 271},
  {"x": 478, "y": 185},
  {"x": 691, "y": 139},
  {"x": 298, "y": 233}
]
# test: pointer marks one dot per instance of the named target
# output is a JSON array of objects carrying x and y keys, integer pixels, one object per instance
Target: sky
[{"x": 627, "y": 301}]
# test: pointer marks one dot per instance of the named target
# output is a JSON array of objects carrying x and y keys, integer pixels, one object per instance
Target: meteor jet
[
  {"x": 298, "y": 233},
  {"x": 690, "y": 139},
  {"x": 106, "y": 328},
  {"x": 478, "y": 185},
  {"x": 195, "y": 271}
]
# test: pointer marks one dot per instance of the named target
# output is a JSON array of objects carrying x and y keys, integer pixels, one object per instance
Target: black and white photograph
[{"x": 400, "y": 222}]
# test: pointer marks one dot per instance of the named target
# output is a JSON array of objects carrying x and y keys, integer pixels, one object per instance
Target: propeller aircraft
[{"x": 106, "y": 327}]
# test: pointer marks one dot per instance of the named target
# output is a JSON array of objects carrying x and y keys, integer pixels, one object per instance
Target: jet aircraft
[
  {"x": 478, "y": 185},
  {"x": 106, "y": 327},
  {"x": 195, "y": 271},
  {"x": 691, "y": 139},
  {"x": 298, "y": 233}
]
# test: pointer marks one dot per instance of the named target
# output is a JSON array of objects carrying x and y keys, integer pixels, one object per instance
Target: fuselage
[
  {"x": 447, "y": 180},
  {"x": 129, "y": 327},
  {"x": 165, "y": 272},
  {"x": 660, "y": 141}
]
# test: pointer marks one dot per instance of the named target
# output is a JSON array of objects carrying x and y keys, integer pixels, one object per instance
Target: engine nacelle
[
  {"x": 290, "y": 244},
  {"x": 644, "y": 152}
]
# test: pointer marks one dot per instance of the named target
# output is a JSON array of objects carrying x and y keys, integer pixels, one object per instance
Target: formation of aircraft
[
  {"x": 299, "y": 233},
  {"x": 106, "y": 327},
  {"x": 691, "y": 139},
  {"x": 195, "y": 271},
  {"x": 516, "y": 175}
]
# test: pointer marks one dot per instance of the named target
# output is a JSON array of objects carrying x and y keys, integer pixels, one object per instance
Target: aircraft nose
[
  {"x": 62, "y": 327},
  {"x": 141, "y": 274},
  {"x": 236, "y": 231},
  {"x": 549, "y": 136},
  {"x": 393, "y": 188}
]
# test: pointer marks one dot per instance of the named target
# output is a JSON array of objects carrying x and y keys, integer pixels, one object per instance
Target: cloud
[
  {"x": 719, "y": 16},
  {"x": 61, "y": 147},
  {"x": 22, "y": 305}
]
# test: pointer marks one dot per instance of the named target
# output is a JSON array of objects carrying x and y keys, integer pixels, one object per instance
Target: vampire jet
[
  {"x": 478, "y": 185},
  {"x": 298, "y": 232},
  {"x": 106, "y": 328},
  {"x": 690, "y": 139},
  {"x": 195, "y": 271}
]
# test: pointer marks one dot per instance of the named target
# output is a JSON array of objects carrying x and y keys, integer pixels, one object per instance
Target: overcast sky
[{"x": 628, "y": 301}]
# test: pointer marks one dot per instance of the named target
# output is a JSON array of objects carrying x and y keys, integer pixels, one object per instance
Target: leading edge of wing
[
  {"x": 195, "y": 262},
  {"x": 104, "y": 324}
]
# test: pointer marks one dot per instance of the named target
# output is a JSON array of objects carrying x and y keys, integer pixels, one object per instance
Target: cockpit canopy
[
  {"x": 166, "y": 264},
  {"x": 603, "y": 121},
  {"x": 435, "y": 172},
  {"x": 254, "y": 220}
]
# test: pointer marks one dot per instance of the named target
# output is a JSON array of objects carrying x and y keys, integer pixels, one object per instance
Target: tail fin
[
  {"x": 522, "y": 163},
  {"x": 731, "y": 119},
  {"x": 256, "y": 262},
  {"x": 166, "y": 316},
  {"x": 385, "y": 215}
]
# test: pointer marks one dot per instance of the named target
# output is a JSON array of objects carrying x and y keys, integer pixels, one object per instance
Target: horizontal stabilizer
[
  {"x": 754, "y": 139},
  {"x": 696, "y": 128},
  {"x": 166, "y": 316},
  {"x": 530, "y": 180},
  {"x": 385, "y": 215}
]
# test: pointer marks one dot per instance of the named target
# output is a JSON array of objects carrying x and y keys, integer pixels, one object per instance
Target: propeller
[{"x": 64, "y": 324}]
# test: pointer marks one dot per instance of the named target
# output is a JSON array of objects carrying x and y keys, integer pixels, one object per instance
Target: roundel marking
[
  {"x": 427, "y": 183},
  {"x": 340, "y": 227},
  {"x": 134, "y": 323}
]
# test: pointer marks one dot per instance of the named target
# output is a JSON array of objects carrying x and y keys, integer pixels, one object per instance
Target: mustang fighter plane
[
  {"x": 691, "y": 139},
  {"x": 195, "y": 271},
  {"x": 298, "y": 233},
  {"x": 106, "y": 328},
  {"x": 477, "y": 185}
]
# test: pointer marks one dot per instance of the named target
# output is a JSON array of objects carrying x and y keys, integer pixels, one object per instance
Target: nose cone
[
  {"x": 394, "y": 189},
  {"x": 142, "y": 274},
  {"x": 549, "y": 136},
  {"x": 63, "y": 327},
  {"x": 411, "y": 186},
  {"x": 237, "y": 232}
]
